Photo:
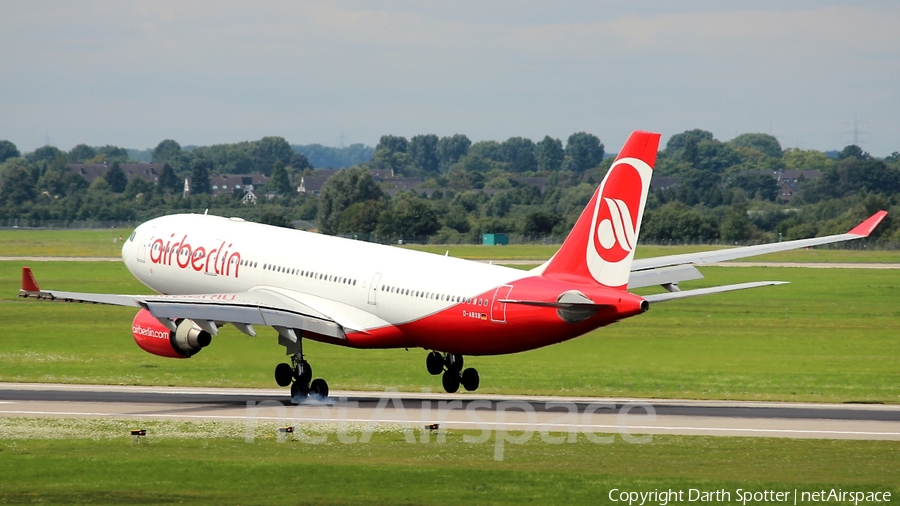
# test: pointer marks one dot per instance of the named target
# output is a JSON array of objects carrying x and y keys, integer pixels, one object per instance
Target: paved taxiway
[{"x": 465, "y": 411}]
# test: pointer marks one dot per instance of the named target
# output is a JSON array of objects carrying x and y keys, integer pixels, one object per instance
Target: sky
[{"x": 133, "y": 73}]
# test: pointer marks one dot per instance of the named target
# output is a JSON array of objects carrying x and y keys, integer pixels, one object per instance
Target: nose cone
[{"x": 128, "y": 245}]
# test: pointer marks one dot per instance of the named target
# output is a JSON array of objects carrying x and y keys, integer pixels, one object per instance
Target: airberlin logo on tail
[
  {"x": 615, "y": 233},
  {"x": 616, "y": 221}
]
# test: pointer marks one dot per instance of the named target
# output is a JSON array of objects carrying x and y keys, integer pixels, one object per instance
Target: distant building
[
  {"x": 789, "y": 182},
  {"x": 797, "y": 175},
  {"x": 787, "y": 189},
  {"x": 229, "y": 183}
]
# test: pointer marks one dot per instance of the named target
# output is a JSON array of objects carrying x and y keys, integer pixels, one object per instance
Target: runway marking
[{"x": 480, "y": 425}]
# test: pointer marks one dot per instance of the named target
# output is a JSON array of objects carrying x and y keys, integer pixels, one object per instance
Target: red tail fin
[
  {"x": 601, "y": 245},
  {"x": 28, "y": 282}
]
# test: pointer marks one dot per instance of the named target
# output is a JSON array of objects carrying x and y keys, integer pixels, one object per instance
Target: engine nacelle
[{"x": 153, "y": 337}]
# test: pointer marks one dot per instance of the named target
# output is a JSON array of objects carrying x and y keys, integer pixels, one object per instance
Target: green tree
[
  {"x": 116, "y": 178},
  {"x": 18, "y": 186},
  {"x": 549, "y": 153},
  {"x": 341, "y": 191},
  {"x": 451, "y": 149},
  {"x": 584, "y": 150},
  {"x": 518, "y": 153},
  {"x": 139, "y": 186},
  {"x": 168, "y": 182},
  {"x": 757, "y": 184},
  {"x": 853, "y": 151},
  {"x": 736, "y": 226},
  {"x": 112, "y": 154},
  {"x": 268, "y": 149},
  {"x": 279, "y": 182},
  {"x": 690, "y": 153},
  {"x": 360, "y": 217},
  {"x": 540, "y": 223},
  {"x": 392, "y": 143},
  {"x": 7, "y": 150},
  {"x": 200, "y": 177},
  {"x": 677, "y": 141},
  {"x": 457, "y": 218},
  {"x": 799, "y": 159},
  {"x": 44, "y": 154},
  {"x": 764, "y": 143},
  {"x": 423, "y": 150},
  {"x": 275, "y": 219},
  {"x": 675, "y": 221},
  {"x": 166, "y": 151},
  {"x": 409, "y": 217},
  {"x": 82, "y": 153}
]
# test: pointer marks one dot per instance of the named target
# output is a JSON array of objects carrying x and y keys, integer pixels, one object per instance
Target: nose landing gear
[{"x": 451, "y": 364}]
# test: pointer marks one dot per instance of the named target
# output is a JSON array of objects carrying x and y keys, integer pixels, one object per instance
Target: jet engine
[{"x": 153, "y": 337}]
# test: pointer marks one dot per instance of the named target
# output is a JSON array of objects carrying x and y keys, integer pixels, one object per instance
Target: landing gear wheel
[
  {"x": 470, "y": 379},
  {"x": 454, "y": 362},
  {"x": 435, "y": 363},
  {"x": 319, "y": 388},
  {"x": 303, "y": 372},
  {"x": 283, "y": 374},
  {"x": 451, "y": 382},
  {"x": 299, "y": 389}
]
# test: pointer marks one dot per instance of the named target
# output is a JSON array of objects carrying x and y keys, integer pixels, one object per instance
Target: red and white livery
[{"x": 210, "y": 271}]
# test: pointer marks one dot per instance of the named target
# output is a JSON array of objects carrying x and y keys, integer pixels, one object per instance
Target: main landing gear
[
  {"x": 298, "y": 374},
  {"x": 452, "y": 379}
]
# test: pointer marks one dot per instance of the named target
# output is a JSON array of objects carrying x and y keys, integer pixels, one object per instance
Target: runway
[{"x": 458, "y": 411}]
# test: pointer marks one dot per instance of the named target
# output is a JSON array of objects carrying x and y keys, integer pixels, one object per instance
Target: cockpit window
[{"x": 132, "y": 236}]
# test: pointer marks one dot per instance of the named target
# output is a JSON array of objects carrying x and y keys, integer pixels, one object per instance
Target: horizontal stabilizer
[{"x": 662, "y": 297}]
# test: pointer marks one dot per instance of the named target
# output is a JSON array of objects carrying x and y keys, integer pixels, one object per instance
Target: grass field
[
  {"x": 100, "y": 243},
  {"x": 94, "y": 462},
  {"x": 830, "y": 336},
  {"x": 63, "y": 243}
]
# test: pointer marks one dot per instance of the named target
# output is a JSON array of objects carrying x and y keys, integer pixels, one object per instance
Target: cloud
[{"x": 134, "y": 73}]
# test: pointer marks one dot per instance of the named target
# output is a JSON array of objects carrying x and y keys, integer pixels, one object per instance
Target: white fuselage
[{"x": 222, "y": 255}]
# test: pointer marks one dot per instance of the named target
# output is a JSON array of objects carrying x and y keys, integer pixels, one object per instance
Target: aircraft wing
[
  {"x": 278, "y": 308},
  {"x": 862, "y": 230}
]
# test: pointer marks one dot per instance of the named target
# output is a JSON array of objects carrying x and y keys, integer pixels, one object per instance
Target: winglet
[
  {"x": 865, "y": 228},
  {"x": 28, "y": 282}
]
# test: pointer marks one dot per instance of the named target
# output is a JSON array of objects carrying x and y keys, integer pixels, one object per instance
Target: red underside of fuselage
[{"x": 497, "y": 329}]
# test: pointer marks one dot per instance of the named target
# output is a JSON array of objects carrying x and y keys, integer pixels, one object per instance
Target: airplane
[{"x": 210, "y": 271}]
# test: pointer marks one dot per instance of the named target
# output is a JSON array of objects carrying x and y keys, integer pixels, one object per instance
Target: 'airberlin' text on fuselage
[{"x": 217, "y": 259}]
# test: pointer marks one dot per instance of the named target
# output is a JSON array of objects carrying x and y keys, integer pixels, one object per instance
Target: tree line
[{"x": 718, "y": 191}]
